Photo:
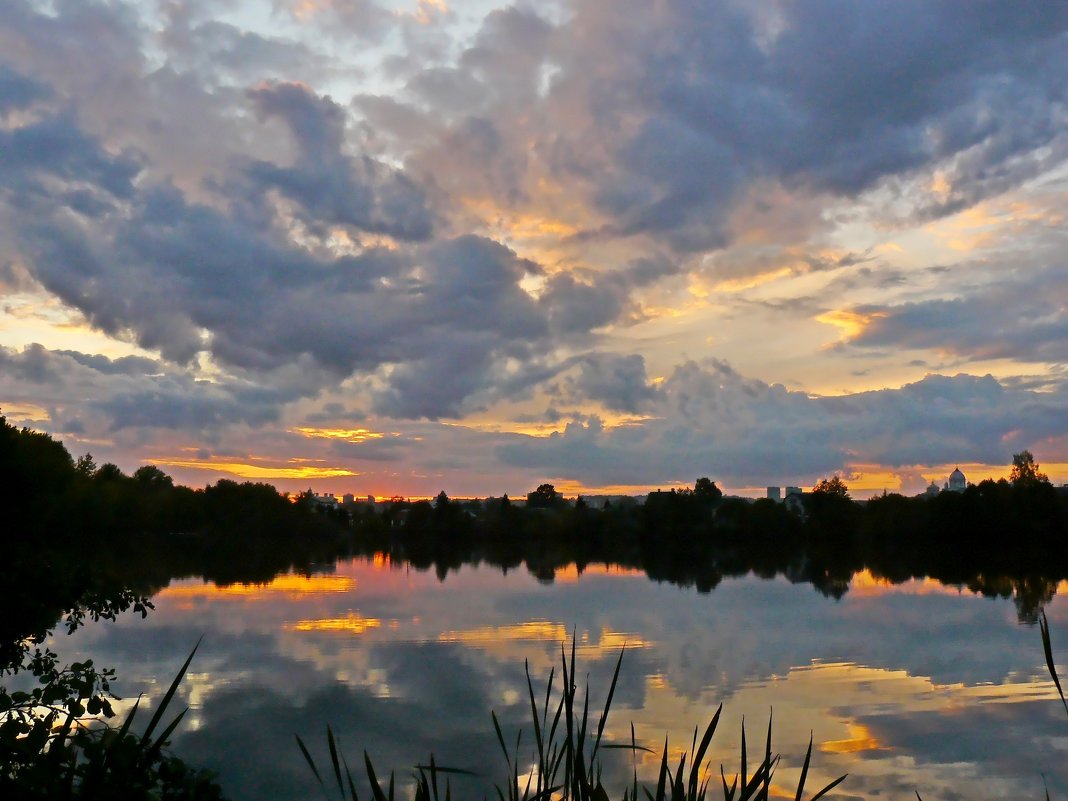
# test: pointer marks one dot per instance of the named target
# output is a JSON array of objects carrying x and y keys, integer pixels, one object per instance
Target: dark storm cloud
[
  {"x": 185, "y": 277},
  {"x": 329, "y": 186},
  {"x": 576, "y": 307},
  {"x": 618, "y": 382},
  {"x": 1021, "y": 316},
  {"x": 18, "y": 91},
  {"x": 55, "y": 148},
  {"x": 124, "y": 365},
  {"x": 135, "y": 392},
  {"x": 708, "y": 419},
  {"x": 665, "y": 114}
]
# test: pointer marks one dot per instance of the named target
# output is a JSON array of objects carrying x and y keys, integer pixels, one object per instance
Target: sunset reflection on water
[{"x": 905, "y": 687}]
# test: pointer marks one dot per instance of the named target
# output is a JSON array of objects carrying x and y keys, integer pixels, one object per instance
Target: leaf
[
  {"x": 309, "y": 760},
  {"x": 1043, "y": 625}
]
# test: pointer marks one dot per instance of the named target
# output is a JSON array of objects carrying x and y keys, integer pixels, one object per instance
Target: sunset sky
[{"x": 398, "y": 247}]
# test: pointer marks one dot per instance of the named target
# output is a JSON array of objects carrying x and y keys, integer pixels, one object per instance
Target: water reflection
[{"x": 909, "y": 686}]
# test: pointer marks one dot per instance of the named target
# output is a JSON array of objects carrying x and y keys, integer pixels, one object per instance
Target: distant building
[
  {"x": 793, "y": 500},
  {"x": 774, "y": 494},
  {"x": 322, "y": 501},
  {"x": 957, "y": 482}
]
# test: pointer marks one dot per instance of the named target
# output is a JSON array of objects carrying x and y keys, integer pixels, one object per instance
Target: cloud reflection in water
[{"x": 905, "y": 687}]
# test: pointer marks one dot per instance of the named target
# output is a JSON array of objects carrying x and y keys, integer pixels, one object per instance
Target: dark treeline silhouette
[
  {"x": 1000, "y": 538},
  {"x": 73, "y": 527}
]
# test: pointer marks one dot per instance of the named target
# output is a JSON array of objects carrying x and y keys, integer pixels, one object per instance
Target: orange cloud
[
  {"x": 850, "y": 324},
  {"x": 352, "y": 623},
  {"x": 243, "y": 470},
  {"x": 345, "y": 434},
  {"x": 861, "y": 739}
]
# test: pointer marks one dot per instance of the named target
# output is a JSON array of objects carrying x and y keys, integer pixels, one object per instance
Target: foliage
[
  {"x": 706, "y": 489},
  {"x": 1025, "y": 471},
  {"x": 55, "y": 739},
  {"x": 544, "y": 497},
  {"x": 832, "y": 486}
]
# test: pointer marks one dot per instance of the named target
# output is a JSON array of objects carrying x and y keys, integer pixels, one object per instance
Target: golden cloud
[{"x": 243, "y": 470}]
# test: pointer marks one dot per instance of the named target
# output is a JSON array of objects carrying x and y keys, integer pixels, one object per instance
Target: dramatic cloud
[
  {"x": 526, "y": 216},
  {"x": 708, "y": 419}
]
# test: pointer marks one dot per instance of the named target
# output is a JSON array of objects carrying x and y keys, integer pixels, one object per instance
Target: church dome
[{"x": 957, "y": 481}]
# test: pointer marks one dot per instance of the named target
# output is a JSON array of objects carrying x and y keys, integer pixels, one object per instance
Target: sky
[{"x": 394, "y": 248}]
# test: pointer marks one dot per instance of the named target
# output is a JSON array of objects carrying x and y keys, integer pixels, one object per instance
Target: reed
[{"x": 567, "y": 745}]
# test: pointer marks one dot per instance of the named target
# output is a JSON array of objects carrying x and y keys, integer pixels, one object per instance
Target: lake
[{"x": 904, "y": 687}]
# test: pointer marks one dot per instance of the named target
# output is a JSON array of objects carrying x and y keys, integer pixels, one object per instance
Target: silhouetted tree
[
  {"x": 832, "y": 486},
  {"x": 544, "y": 497},
  {"x": 1025, "y": 471},
  {"x": 706, "y": 490}
]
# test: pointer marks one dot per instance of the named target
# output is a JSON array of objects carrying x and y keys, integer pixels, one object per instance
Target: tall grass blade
[
  {"x": 539, "y": 743},
  {"x": 125, "y": 728},
  {"x": 662, "y": 779},
  {"x": 443, "y": 769},
  {"x": 168, "y": 696},
  {"x": 310, "y": 761},
  {"x": 500, "y": 738},
  {"x": 767, "y": 756},
  {"x": 677, "y": 790},
  {"x": 699, "y": 754},
  {"x": 829, "y": 787},
  {"x": 634, "y": 760},
  {"x": 728, "y": 793},
  {"x": 156, "y": 747},
  {"x": 608, "y": 702},
  {"x": 348, "y": 777},
  {"x": 376, "y": 788},
  {"x": 804, "y": 770},
  {"x": 745, "y": 768},
  {"x": 334, "y": 760},
  {"x": 1043, "y": 625}
]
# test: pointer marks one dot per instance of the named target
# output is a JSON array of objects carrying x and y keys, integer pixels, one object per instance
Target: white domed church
[{"x": 957, "y": 482}]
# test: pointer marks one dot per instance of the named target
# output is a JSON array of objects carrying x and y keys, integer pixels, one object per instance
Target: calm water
[{"x": 916, "y": 686}]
